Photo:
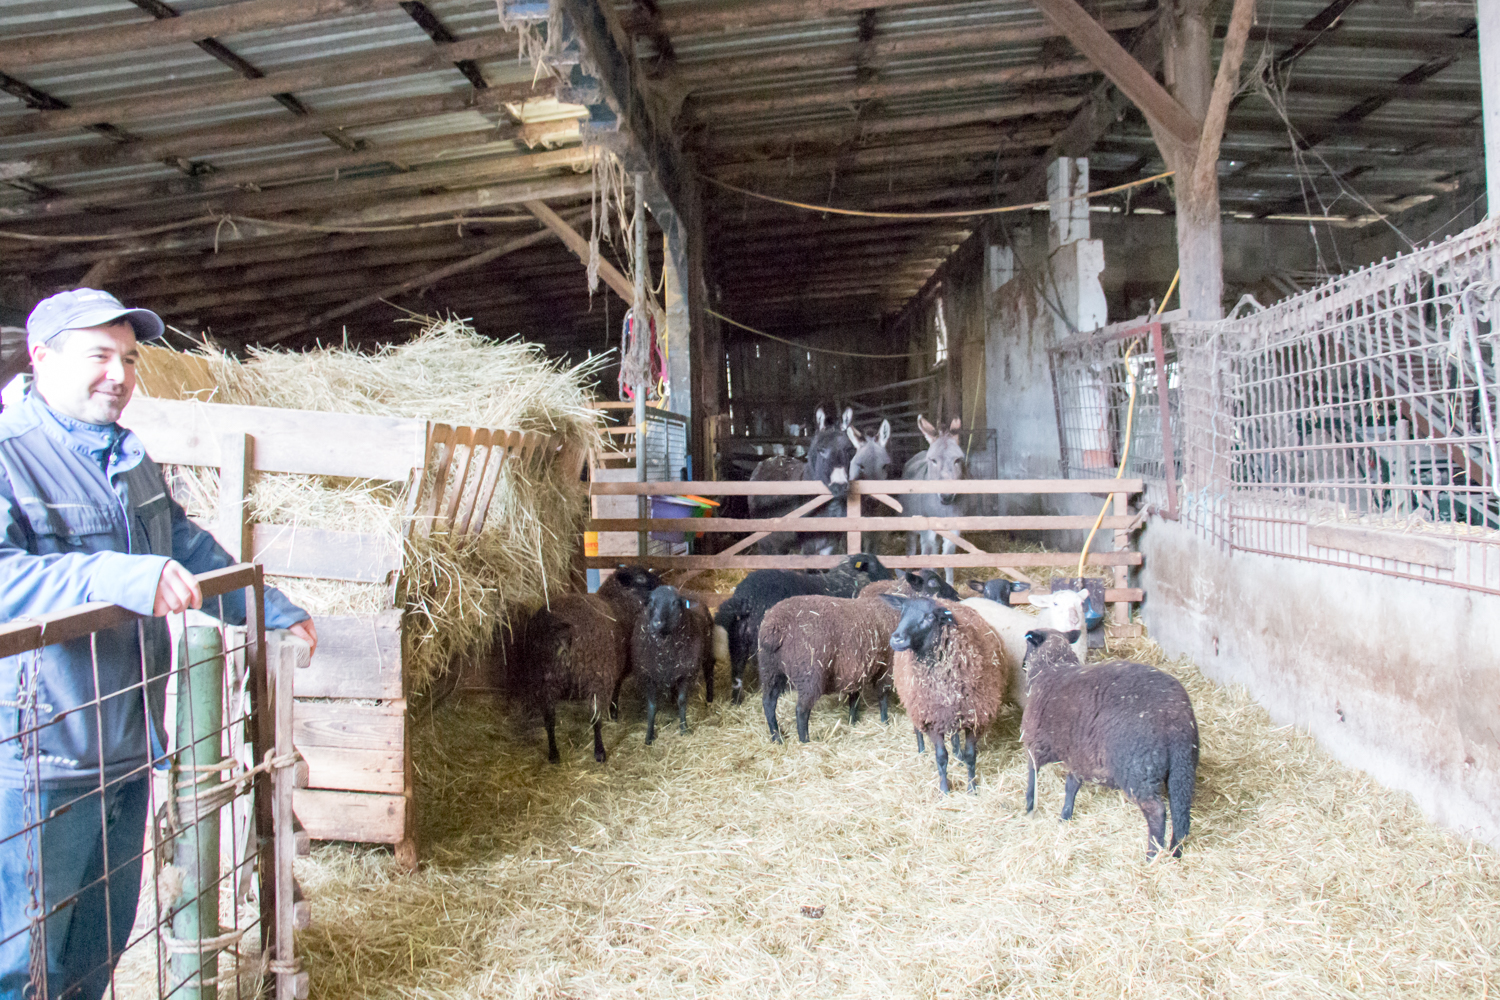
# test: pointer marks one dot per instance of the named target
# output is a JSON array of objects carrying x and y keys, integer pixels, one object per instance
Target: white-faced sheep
[
  {"x": 824, "y": 645},
  {"x": 1122, "y": 725},
  {"x": 740, "y": 615},
  {"x": 579, "y": 649},
  {"x": 672, "y": 642},
  {"x": 1060, "y": 611},
  {"x": 948, "y": 672}
]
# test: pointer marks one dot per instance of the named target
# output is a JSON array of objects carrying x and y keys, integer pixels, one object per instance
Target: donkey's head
[
  {"x": 945, "y": 456},
  {"x": 871, "y": 459}
]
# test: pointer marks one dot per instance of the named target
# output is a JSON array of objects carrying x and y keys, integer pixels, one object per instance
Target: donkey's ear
[
  {"x": 821, "y": 418},
  {"x": 848, "y": 417},
  {"x": 954, "y": 425},
  {"x": 885, "y": 433},
  {"x": 855, "y": 436},
  {"x": 928, "y": 431}
]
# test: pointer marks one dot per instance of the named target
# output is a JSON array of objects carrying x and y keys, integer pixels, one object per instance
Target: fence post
[
  {"x": 1401, "y": 469},
  {"x": 1122, "y": 542},
  {"x": 200, "y": 713},
  {"x": 854, "y": 508}
]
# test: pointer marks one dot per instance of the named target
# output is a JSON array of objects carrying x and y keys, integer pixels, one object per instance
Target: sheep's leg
[
  {"x": 1070, "y": 789},
  {"x": 708, "y": 680},
  {"x": 549, "y": 720},
  {"x": 958, "y": 743},
  {"x": 913, "y": 539},
  {"x": 1030, "y": 785},
  {"x": 599, "y": 753},
  {"x": 614, "y": 700},
  {"x": 921, "y": 746},
  {"x": 940, "y": 751},
  {"x": 650, "y": 717},
  {"x": 949, "y": 547},
  {"x": 854, "y": 708},
  {"x": 736, "y": 682},
  {"x": 885, "y": 704},
  {"x": 1156, "y": 824},
  {"x": 769, "y": 695},
  {"x": 970, "y": 757},
  {"x": 682, "y": 693},
  {"x": 804, "y": 716}
]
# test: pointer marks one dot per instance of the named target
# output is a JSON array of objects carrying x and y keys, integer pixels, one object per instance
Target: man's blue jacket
[{"x": 85, "y": 516}]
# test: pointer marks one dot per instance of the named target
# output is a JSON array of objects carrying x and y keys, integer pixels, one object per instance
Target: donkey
[
  {"x": 828, "y": 456},
  {"x": 943, "y": 461}
]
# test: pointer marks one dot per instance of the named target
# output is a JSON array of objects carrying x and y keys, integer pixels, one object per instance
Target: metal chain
[{"x": 28, "y": 697}]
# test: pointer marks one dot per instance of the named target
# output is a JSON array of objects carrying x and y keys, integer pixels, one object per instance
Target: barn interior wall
[{"x": 1395, "y": 677}]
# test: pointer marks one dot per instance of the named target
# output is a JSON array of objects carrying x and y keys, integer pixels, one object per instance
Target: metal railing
[{"x": 212, "y": 874}]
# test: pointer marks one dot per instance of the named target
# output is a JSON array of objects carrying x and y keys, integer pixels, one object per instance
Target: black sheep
[
  {"x": 758, "y": 592},
  {"x": 672, "y": 642},
  {"x": 998, "y": 589},
  {"x": 579, "y": 649},
  {"x": 1122, "y": 725},
  {"x": 918, "y": 583}
]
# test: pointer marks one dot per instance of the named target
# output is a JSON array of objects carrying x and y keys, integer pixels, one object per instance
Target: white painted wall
[{"x": 1488, "y": 12}]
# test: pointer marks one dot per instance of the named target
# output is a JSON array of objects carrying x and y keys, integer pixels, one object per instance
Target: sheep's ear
[
  {"x": 976, "y": 585},
  {"x": 1083, "y": 593},
  {"x": 885, "y": 433},
  {"x": 894, "y": 600},
  {"x": 1017, "y": 585},
  {"x": 915, "y": 579},
  {"x": 1072, "y": 636},
  {"x": 928, "y": 431},
  {"x": 860, "y": 563},
  {"x": 1035, "y": 638},
  {"x": 1041, "y": 600}
]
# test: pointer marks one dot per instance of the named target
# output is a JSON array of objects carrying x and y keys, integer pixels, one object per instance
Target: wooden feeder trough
[{"x": 350, "y": 712}]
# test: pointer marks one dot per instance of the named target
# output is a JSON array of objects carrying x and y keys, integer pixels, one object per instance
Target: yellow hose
[{"x": 1129, "y": 424}]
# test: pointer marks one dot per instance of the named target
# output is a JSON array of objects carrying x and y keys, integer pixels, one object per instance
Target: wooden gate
[{"x": 1119, "y": 555}]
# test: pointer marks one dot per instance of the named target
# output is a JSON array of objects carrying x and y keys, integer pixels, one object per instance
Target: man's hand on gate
[
  {"x": 308, "y": 633},
  {"x": 177, "y": 590}
]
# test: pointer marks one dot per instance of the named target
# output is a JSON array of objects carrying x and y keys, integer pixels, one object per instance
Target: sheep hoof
[
  {"x": 553, "y": 757},
  {"x": 775, "y": 737}
]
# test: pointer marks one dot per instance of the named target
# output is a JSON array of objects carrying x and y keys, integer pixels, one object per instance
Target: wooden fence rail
[{"x": 888, "y": 492}]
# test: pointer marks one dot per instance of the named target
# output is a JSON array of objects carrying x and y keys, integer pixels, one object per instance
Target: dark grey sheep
[
  {"x": 671, "y": 644},
  {"x": 1122, "y": 725},
  {"x": 919, "y": 583},
  {"x": 579, "y": 649},
  {"x": 740, "y": 615}
]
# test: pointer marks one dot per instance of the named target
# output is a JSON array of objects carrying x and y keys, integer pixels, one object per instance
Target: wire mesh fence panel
[
  {"x": 1356, "y": 424},
  {"x": 136, "y": 833}
]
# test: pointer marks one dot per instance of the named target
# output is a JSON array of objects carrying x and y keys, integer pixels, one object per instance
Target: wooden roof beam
[
  {"x": 884, "y": 48},
  {"x": 575, "y": 242},
  {"x": 230, "y": 19},
  {"x": 706, "y": 107},
  {"x": 1122, "y": 69},
  {"x": 365, "y": 68}
]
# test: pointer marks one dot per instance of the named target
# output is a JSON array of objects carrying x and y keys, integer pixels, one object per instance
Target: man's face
[{"x": 87, "y": 374}]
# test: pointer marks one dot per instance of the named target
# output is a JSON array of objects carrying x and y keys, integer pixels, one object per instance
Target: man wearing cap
[{"x": 86, "y": 516}]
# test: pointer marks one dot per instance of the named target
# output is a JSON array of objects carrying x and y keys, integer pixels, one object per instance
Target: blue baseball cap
[{"x": 79, "y": 308}]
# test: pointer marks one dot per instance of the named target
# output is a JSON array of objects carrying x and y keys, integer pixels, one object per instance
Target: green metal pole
[{"x": 200, "y": 713}]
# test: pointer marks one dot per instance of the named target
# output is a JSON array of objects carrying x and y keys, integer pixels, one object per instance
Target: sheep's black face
[
  {"x": 933, "y": 585},
  {"x": 922, "y": 623},
  {"x": 1045, "y": 646},
  {"x": 639, "y": 579},
  {"x": 867, "y": 568},
  {"x": 664, "y": 610}
]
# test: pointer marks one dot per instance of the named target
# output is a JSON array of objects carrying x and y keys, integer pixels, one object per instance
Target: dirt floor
[{"x": 719, "y": 865}]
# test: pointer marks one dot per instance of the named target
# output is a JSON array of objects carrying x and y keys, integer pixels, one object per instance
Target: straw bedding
[
  {"x": 717, "y": 864},
  {"x": 447, "y": 373}
]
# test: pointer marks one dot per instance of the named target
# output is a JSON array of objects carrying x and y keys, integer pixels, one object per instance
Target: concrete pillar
[
  {"x": 1067, "y": 180},
  {"x": 1488, "y": 12},
  {"x": 679, "y": 331}
]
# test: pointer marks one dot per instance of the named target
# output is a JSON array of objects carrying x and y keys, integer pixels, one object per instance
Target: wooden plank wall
[{"x": 773, "y": 384}]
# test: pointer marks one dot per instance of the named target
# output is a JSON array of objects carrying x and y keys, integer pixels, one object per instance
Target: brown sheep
[
  {"x": 1124, "y": 725},
  {"x": 950, "y": 674},
  {"x": 824, "y": 645},
  {"x": 671, "y": 643},
  {"x": 579, "y": 649}
]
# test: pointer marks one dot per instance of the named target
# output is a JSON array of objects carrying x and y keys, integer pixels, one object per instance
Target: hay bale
[{"x": 454, "y": 592}]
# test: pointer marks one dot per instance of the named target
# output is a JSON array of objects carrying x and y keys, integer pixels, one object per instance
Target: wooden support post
[
  {"x": 1122, "y": 543},
  {"x": 291, "y": 980},
  {"x": 236, "y": 466},
  {"x": 854, "y": 509},
  {"x": 641, "y": 328}
]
